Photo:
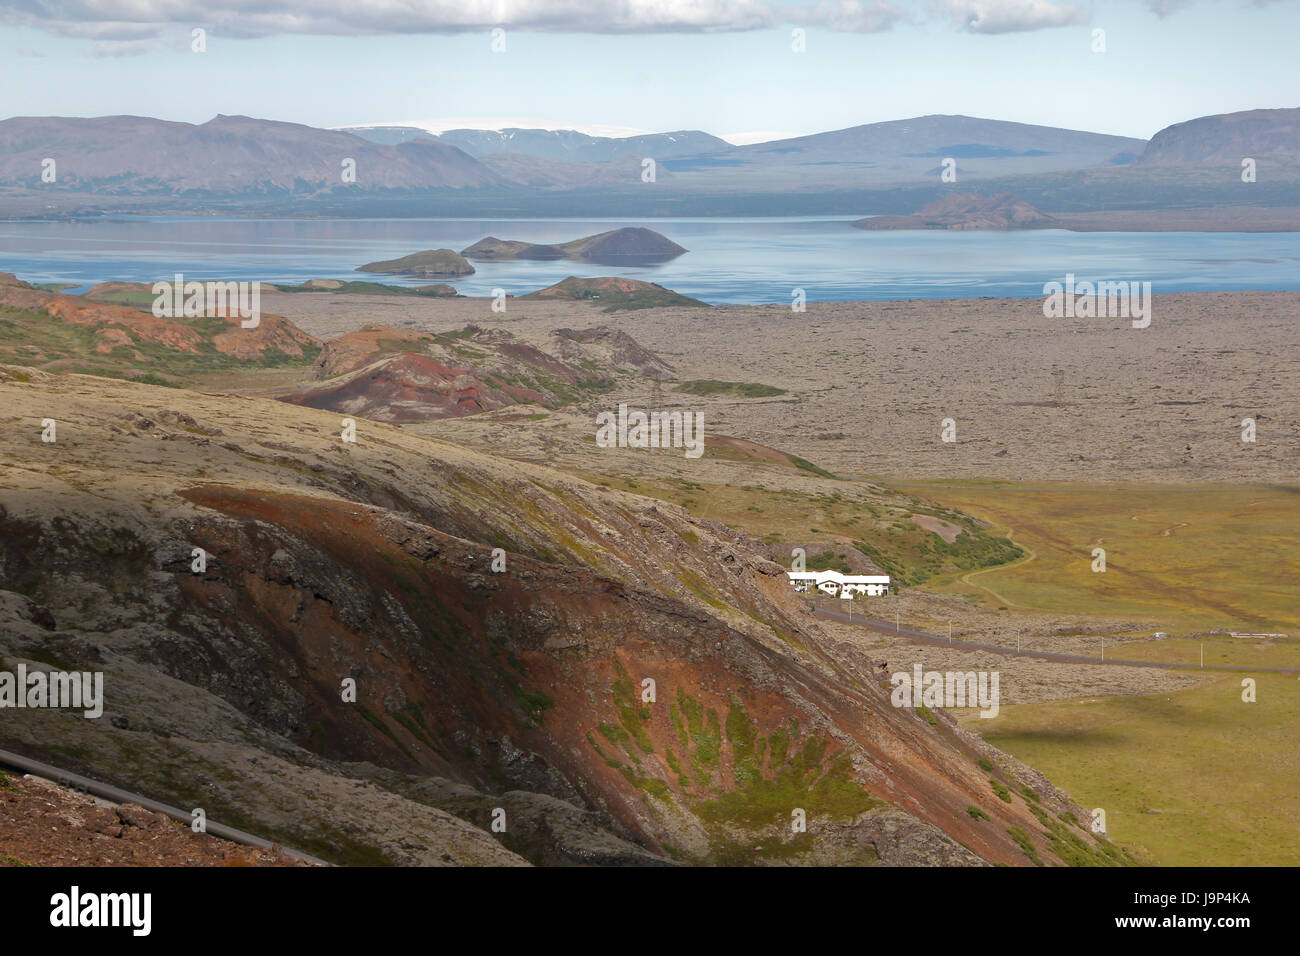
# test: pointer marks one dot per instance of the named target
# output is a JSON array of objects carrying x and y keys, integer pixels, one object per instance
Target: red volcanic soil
[
  {"x": 406, "y": 388},
  {"x": 111, "y": 323},
  {"x": 42, "y": 824},
  {"x": 455, "y": 660}
]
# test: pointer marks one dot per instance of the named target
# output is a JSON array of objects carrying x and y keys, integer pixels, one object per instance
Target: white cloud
[
  {"x": 757, "y": 136},
  {"x": 848, "y": 16},
  {"x": 1013, "y": 16},
  {"x": 1162, "y": 8},
  {"x": 136, "y": 19},
  {"x": 498, "y": 123},
  {"x": 131, "y": 19}
]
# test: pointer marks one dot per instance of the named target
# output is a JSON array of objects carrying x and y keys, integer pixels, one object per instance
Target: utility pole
[
  {"x": 950, "y": 632},
  {"x": 1202, "y": 654}
]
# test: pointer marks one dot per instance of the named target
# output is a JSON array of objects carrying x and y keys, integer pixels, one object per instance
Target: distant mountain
[
  {"x": 967, "y": 211},
  {"x": 389, "y": 135},
  {"x": 900, "y": 147},
  {"x": 631, "y": 245},
  {"x": 544, "y": 173},
  {"x": 565, "y": 144},
  {"x": 241, "y": 166},
  {"x": 228, "y": 155},
  {"x": 1228, "y": 139},
  {"x": 914, "y": 151},
  {"x": 930, "y": 139}
]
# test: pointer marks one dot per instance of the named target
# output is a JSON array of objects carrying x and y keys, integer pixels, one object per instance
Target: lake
[{"x": 736, "y": 261}]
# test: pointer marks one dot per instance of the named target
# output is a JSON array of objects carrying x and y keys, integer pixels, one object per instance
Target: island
[
  {"x": 429, "y": 264},
  {"x": 631, "y": 245},
  {"x": 615, "y": 293},
  {"x": 967, "y": 211}
]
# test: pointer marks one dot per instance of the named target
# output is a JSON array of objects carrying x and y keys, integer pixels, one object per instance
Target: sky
[{"x": 728, "y": 67}]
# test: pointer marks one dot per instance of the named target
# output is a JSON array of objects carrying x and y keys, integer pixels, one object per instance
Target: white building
[{"x": 842, "y": 585}]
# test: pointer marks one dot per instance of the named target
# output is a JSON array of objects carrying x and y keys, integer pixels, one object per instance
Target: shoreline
[{"x": 1207, "y": 219}]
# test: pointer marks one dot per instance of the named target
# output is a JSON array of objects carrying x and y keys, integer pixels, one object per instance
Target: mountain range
[
  {"x": 563, "y": 144},
  {"x": 241, "y": 165}
]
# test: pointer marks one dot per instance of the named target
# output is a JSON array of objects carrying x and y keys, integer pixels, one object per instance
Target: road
[{"x": 922, "y": 637}]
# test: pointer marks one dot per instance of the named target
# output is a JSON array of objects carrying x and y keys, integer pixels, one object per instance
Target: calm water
[{"x": 730, "y": 260}]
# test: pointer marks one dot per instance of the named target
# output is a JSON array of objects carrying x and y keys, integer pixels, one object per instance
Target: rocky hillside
[
  {"x": 631, "y": 685},
  {"x": 52, "y": 331},
  {"x": 395, "y": 375},
  {"x": 44, "y": 824},
  {"x": 1227, "y": 139}
]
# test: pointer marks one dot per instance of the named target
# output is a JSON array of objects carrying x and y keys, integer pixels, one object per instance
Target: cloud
[
  {"x": 497, "y": 123},
  {"x": 1162, "y": 8},
  {"x": 138, "y": 19},
  {"x": 848, "y": 16},
  {"x": 1013, "y": 16},
  {"x": 757, "y": 136},
  {"x": 135, "y": 19},
  {"x": 123, "y": 21}
]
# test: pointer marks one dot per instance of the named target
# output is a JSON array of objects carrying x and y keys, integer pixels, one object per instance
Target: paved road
[
  {"x": 118, "y": 795},
  {"x": 922, "y": 637}
]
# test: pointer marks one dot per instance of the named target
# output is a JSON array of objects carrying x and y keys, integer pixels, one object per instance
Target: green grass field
[
  {"x": 1192, "y": 778},
  {"x": 742, "y": 389},
  {"x": 30, "y": 338},
  {"x": 1191, "y": 558},
  {"x": 882, "y": 527}
]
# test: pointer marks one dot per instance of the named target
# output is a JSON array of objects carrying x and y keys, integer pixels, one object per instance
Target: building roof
[{"x": 823, "y": 576}]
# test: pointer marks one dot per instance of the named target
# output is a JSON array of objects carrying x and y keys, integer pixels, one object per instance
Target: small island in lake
[
  {"x": 429, "y": 264},
  {"x": 631, "y": 245},
  {"x": 967, "y": 211},
  {"x": 615, "y": 293}
]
